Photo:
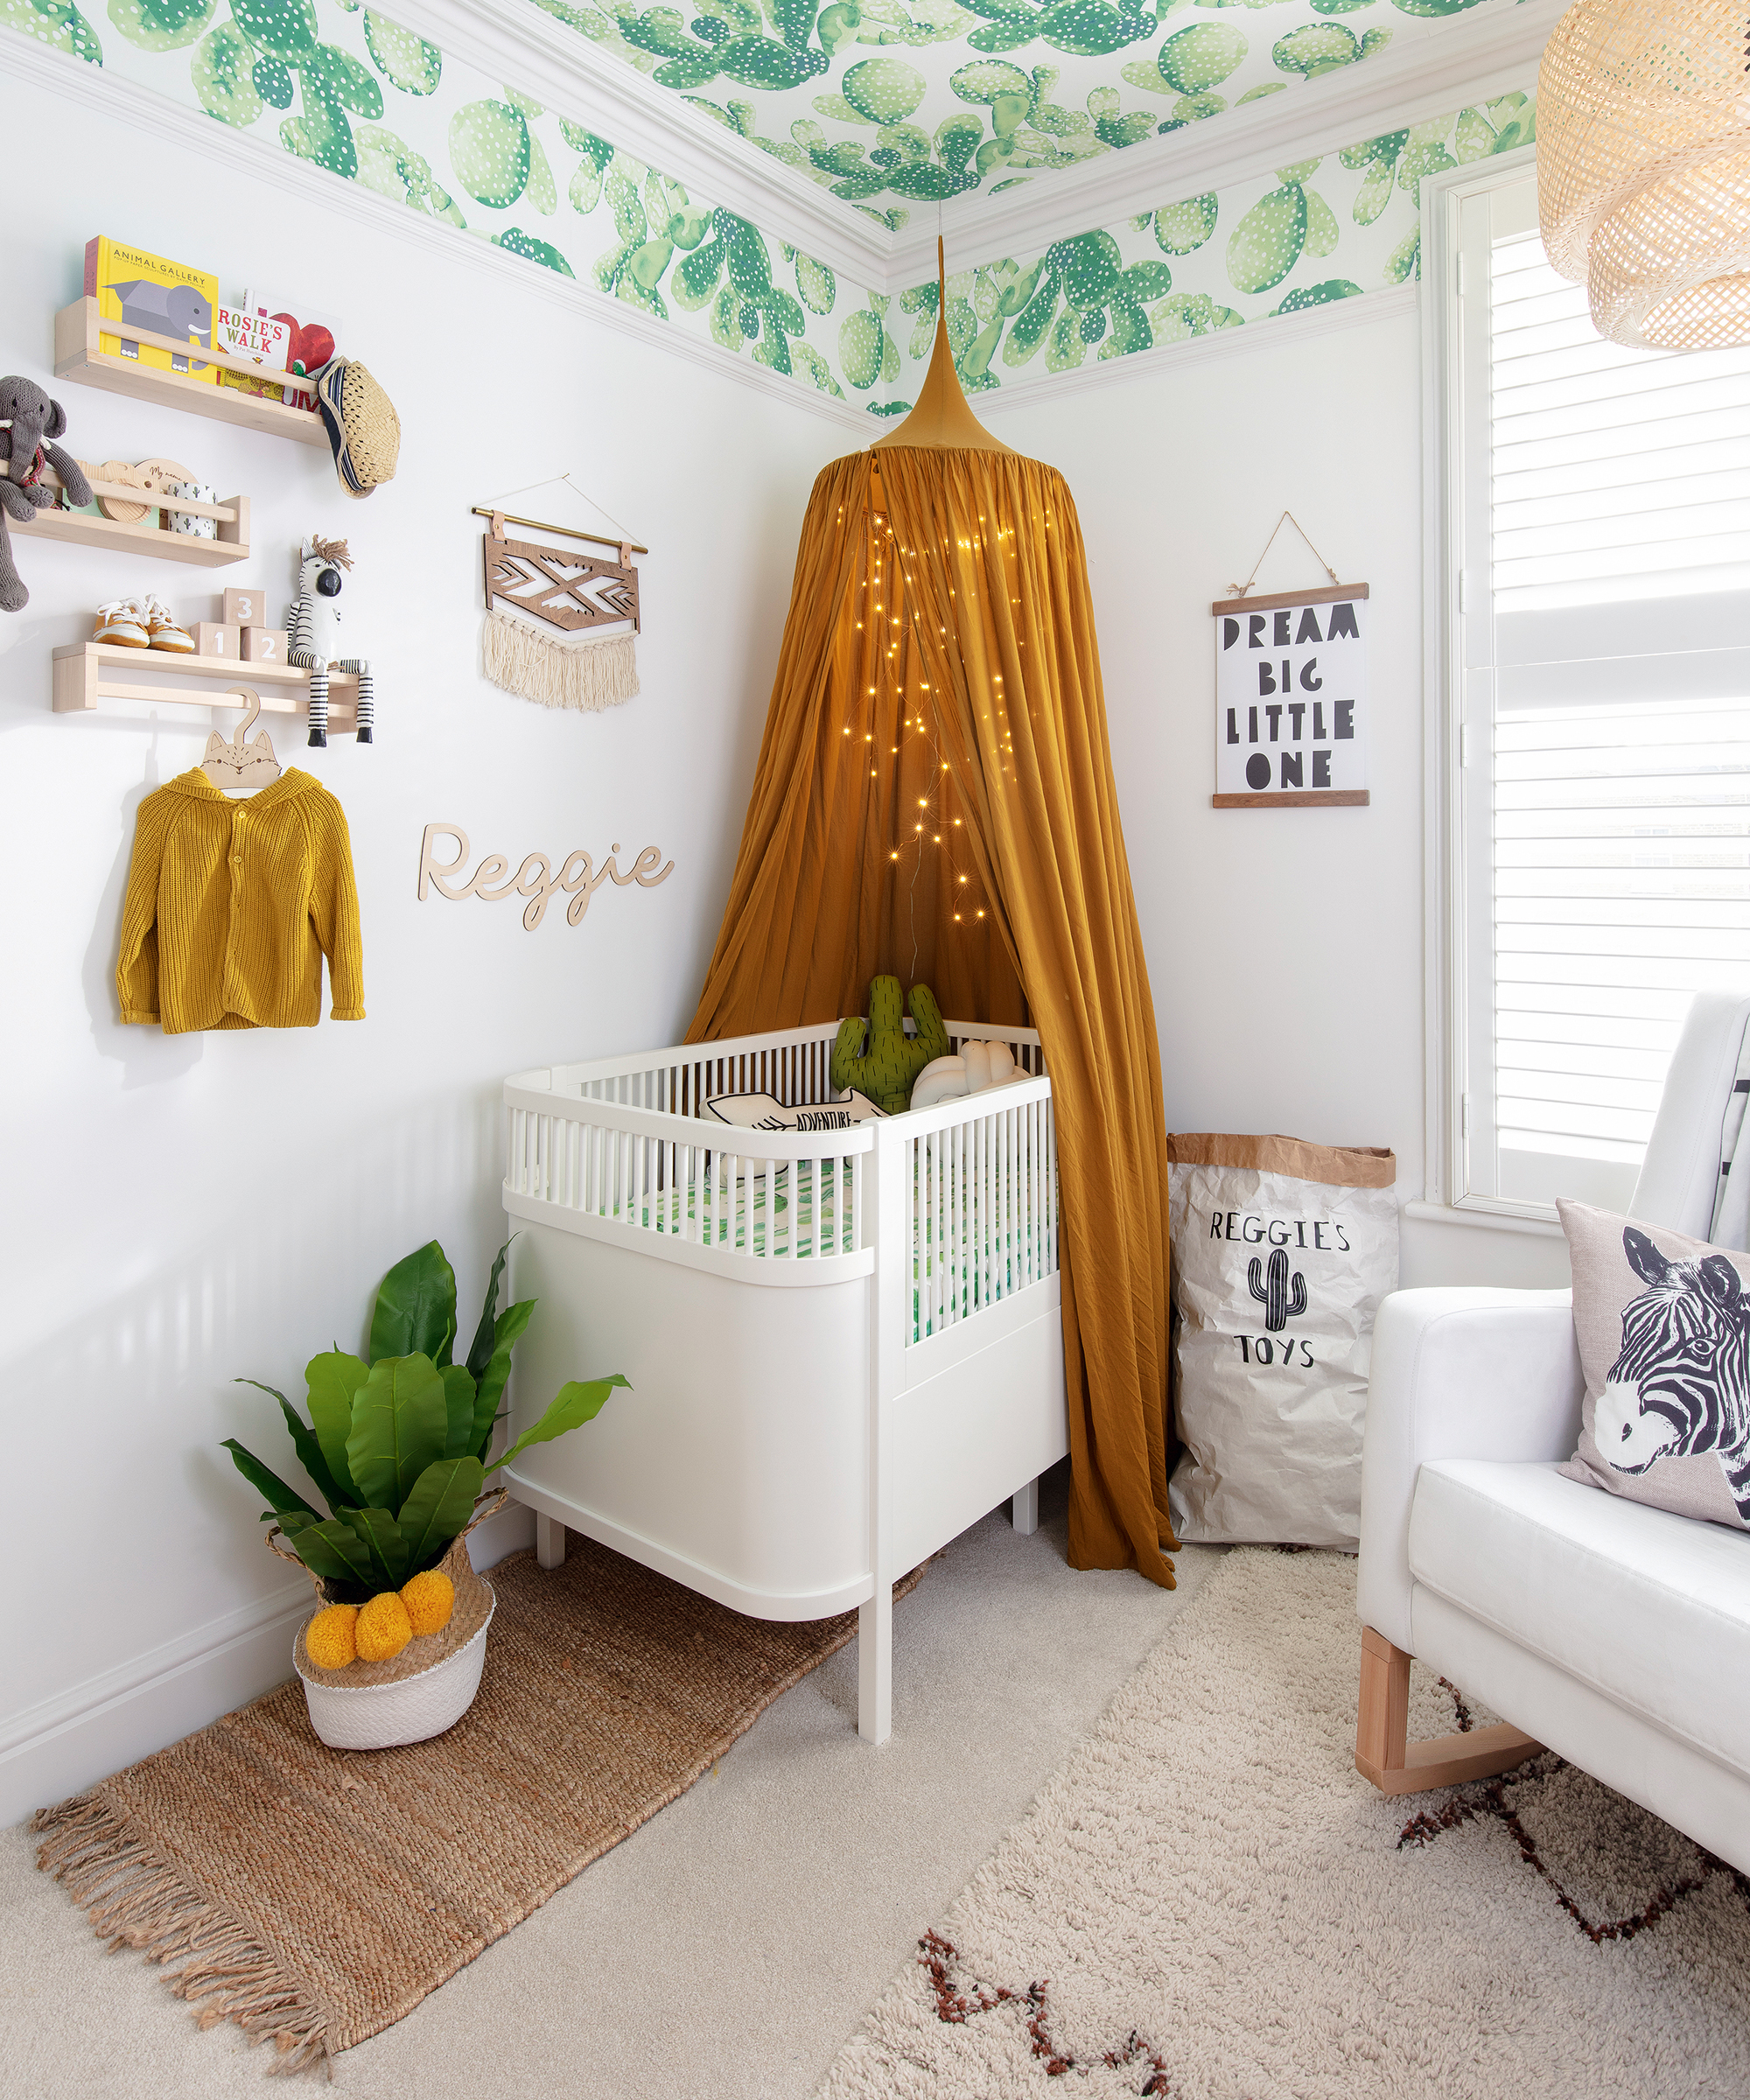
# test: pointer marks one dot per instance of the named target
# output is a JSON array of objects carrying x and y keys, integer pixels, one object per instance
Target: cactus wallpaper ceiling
[
  {"x": 892, "y": 102},
  {"x": 337, "y": 84}
]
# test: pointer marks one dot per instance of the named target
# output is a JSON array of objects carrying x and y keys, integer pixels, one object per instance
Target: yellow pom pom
[
  {"x": 384, "y": 1628},
  {"x": 429, "y": 1599},
  {"x": 331, "y": 1639}
]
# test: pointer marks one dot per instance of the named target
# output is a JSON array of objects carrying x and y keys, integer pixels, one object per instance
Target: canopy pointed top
[{"x": 941, "y": 418}]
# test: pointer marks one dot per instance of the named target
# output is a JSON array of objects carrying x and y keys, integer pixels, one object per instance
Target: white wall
[
  {"x": 184, "y": 1210},
  {"x": 1285, "y": 946}
]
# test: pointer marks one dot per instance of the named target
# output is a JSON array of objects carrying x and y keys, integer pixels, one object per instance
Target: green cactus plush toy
[{"x": 888, "y": 1070}]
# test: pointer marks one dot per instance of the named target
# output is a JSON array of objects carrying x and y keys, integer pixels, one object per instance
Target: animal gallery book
[{"x": 154, "y": 297}]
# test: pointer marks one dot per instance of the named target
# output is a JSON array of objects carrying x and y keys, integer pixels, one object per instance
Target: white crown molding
[
  {"x": 515, "y": 40},
  {"x": 1464, "y": 60},
  {"x": 1219, "y": 344},
  {"x": 124, "y": 101}
]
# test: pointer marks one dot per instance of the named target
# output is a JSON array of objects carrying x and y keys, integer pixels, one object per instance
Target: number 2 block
[{"x": 264, "y": 644}]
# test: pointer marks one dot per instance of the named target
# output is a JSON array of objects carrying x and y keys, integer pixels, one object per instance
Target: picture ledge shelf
[
  {"x": 77, "y": 357},
  {"x": 81, "y": 681},
  {"x": 79, "y": 528}
]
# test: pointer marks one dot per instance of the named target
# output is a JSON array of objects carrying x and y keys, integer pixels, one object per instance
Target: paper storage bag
[{"x": 1282, "y": 1251}]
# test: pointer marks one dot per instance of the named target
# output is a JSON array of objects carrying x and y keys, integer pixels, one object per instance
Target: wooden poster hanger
[
  {"x": 500, "y": 517},
  {"x": 570, "y": 532}
]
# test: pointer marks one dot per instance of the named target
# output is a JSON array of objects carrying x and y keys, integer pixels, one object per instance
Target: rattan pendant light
[{"x": 1643, "y": 167}]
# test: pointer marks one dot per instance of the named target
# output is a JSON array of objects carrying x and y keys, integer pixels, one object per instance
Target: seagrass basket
[{"x": 424, "y": 1690}]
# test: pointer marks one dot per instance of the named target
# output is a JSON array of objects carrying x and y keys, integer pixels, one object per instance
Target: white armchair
[{"x": 1614, "y": 1633}]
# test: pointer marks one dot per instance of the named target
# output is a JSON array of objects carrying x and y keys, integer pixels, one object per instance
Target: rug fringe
[
  {"x": 588, "y": 676},
  {"x": 134, "y": 1900}
]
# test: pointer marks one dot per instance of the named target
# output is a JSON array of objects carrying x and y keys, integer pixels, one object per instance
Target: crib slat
[
  {"x": 956, "y": 1260},
  {"x": 1011, "y": 1248},
  {"x": 921, "y": 1261}
]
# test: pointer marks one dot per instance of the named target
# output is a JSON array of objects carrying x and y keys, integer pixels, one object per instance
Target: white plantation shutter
[{"x": 1605, "y": 538}]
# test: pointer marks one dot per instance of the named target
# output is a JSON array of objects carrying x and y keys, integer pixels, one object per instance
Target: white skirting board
[{"x": 112, "y": 1720}]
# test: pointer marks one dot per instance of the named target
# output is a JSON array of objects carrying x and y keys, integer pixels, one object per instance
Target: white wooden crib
[{"x": 845, "y": 1346}]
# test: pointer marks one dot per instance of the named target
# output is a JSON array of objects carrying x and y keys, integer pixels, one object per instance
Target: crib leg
[
  {"x": 549, "y": 1540},
  {"x": 1024, "y": 1509},
  {"x": 875, "y": 1666}
]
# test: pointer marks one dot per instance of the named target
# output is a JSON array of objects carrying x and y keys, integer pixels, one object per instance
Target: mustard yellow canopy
[{"x": 934, "y": 801}]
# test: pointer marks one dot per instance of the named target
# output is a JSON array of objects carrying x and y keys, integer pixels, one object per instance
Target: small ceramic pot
[{"x": 183, "y": 522}]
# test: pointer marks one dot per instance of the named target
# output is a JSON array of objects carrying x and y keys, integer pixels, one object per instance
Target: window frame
[{"x": 1446, "y": 917}]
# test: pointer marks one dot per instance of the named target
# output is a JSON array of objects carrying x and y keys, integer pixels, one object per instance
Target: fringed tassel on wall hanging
[{"x": 588, "y": 676}]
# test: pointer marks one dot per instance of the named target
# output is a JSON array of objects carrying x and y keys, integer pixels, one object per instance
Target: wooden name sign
[
  {"x": 1291, "y": 700},
  {"x": 577, "y": 878}
]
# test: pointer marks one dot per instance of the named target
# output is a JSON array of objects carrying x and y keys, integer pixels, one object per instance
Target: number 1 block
[{"x": 214, "y": 638}]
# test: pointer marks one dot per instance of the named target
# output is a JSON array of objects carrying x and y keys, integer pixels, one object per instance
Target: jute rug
[
  {"x": 314, "y": 1896},
  {"x": 1208, "y": 1903}
]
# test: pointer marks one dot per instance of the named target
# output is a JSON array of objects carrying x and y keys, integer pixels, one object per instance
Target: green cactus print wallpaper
[
  {"x": 888, "y": 103},
  {"x": 341, "y": 85},
  {"x": 1315, "y": 231}
]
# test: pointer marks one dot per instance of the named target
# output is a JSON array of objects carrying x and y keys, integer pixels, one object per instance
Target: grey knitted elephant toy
[{"x": 29, "y": 423}]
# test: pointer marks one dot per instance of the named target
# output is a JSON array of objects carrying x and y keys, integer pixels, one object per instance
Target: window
[{"x": 1594, "y": 595}]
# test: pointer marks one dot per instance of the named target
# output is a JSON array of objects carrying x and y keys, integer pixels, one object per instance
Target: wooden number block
[
  {"x": 215, "y": 638},
  {"x": 263, "y": 644},
  {"x": 247, "y": 609}
]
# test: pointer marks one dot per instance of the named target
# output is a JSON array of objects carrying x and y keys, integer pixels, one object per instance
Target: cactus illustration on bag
[
  {"x": 887, "y": 1071},
  {"x": 1279, "y": 1307}
]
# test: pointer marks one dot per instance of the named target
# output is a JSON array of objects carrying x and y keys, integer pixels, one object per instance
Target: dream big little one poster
[{"x": 1290, "y": 699}]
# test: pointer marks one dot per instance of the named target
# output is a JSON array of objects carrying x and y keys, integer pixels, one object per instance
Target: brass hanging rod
[{"x": 570, "y": 532}]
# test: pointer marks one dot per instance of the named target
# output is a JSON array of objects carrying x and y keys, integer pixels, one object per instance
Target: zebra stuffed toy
[{"x": 315, "y": 645}]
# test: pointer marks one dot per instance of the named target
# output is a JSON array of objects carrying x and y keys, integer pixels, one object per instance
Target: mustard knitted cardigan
[{"x": 232, "y": 905}]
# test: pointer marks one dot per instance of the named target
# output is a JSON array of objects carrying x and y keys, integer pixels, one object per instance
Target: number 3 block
[
  {"x": 264, "y": 644},
  {"x": 246, "y": 609}
]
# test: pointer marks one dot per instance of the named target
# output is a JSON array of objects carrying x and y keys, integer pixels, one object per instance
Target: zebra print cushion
[{"x": 1664, "y": 1327}]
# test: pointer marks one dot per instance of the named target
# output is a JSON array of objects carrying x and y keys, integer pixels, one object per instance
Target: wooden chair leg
[{"x": 1394, "y": 1766}]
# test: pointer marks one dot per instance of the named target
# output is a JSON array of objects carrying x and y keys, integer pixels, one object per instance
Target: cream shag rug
[{"x": 1208, "y": 1902}]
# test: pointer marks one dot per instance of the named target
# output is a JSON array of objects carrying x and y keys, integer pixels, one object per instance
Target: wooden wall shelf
[
  {"x": 77, "y": 357},
  {"x": 81, "y": 529},
  {"x": 85, "y": 676}
]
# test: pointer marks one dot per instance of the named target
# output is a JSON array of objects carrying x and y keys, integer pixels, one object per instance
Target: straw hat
[{"x": 362, "y": 423}]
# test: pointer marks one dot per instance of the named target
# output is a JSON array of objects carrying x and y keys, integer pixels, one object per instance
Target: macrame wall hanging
[{"x": 530, "y": 588}]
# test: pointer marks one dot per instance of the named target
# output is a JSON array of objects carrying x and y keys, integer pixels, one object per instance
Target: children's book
[
  {"x": 315, "y": 337},
  {"x": 148, "y": 292},
  {"x": 265, "y": 343}
]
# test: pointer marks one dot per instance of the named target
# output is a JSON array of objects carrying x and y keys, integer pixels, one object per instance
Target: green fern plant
[{"x": 397, "y": 1445}]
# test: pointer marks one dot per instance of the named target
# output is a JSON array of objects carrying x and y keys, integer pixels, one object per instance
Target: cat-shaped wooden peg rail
[{"x": 240, "y": 764}]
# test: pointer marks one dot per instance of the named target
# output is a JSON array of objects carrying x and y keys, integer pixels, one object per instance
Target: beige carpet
[
  {"x": 1208, "y": 1903},
  {"x": 315, "y": 1896}
]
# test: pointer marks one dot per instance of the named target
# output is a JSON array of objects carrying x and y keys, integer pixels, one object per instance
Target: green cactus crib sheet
[{"x": 798, "y": 1210}]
